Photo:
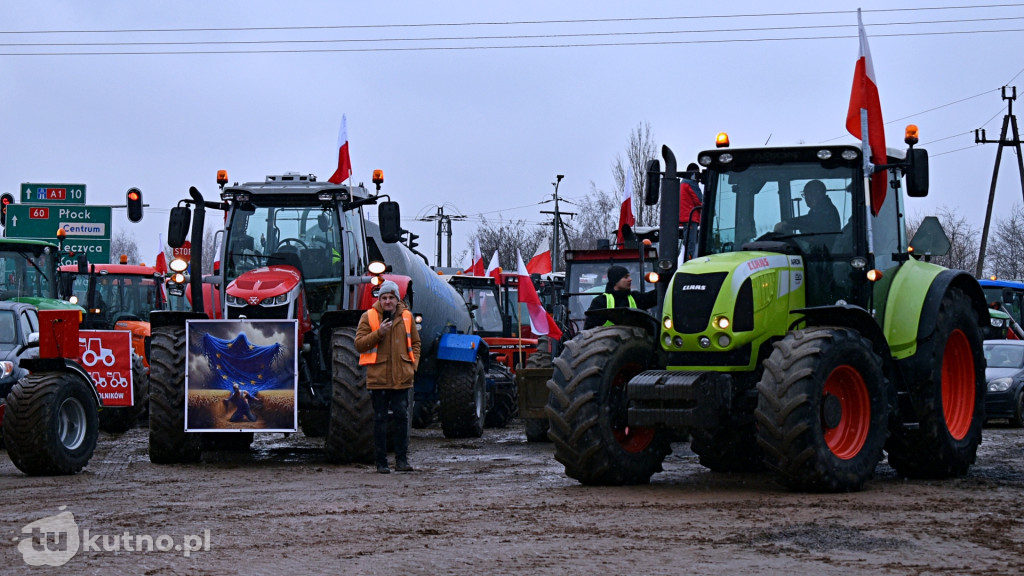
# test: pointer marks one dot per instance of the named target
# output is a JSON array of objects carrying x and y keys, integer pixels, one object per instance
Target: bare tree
[
  {"x": 124, "y": 242},
  {"x": 963, "y": 239},
  {"x": 597, "y": 219},
  {"x": 209, "y": 250},
  {"x": 506, "y": 238},
  {"x": 1005, "y": 256},
  {"x": 640, "y": 149}
]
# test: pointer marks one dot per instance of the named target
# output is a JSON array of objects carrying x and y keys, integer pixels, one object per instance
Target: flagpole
[{"x": 865, "y": 146}]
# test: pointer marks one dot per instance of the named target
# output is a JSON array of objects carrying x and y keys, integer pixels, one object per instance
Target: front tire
[
  {"x": 822, "y": 410},
  {"x": 462, "y": 388},
  {"x": 51, "y": 423},
  {"x": 168, "y": 441},
  {"x": 350, "y": 432},
  {"x": 947, "y": 384},
  {"x": 587, "y": 409}
]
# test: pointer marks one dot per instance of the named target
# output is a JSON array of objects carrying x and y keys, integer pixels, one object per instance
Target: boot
[
  {"x": 383, "y": 469},
  {"x": 402, "y": 465}
]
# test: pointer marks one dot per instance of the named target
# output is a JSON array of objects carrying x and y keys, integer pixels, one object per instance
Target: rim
[
  {"x": 958, "y": 384},
  {"x": 71, "y": 423},
  {"x": 632, "y": 439},
  {"x": 480, "y": 395},
  {"x": 847, "y": 438}
]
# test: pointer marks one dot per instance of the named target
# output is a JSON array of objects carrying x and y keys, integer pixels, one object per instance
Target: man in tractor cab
[
  {"x": 822, "y": 216},
  {"x": 617, "y": 294}
]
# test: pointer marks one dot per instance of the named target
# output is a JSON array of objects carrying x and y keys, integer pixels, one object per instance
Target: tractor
[
  {"x": 298, "y": 250},
  {"x": 809, "y": 351}
]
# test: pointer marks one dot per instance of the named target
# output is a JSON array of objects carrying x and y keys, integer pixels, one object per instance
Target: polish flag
[
  {"x": 626, "y": 210},
  {"x": 864, "y": 95},
  {"x": 541, "y": 261},
  {"x": 493, "y": 269},
  {"x": 540, "y": 318},
  {"x": 344, "y": 171},
  {"x": 161, "y": 256},
  {"x": 478, "y": 260}
]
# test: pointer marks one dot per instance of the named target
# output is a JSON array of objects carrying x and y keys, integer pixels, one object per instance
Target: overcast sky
[{"x": 481, "y": 121}]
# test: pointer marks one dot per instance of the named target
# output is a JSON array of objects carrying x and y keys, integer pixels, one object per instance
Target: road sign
[
  {"x": 183, "y": 252},
  {"x": 98, "y": 251},
  {"x": 42, "y": 221},
  {"x": 52, "y": 193}
]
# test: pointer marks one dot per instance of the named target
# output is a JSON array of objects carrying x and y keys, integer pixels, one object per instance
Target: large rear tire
[
  {"x": 537, "y": 428},
  {"x": 587, "y": 409},
  {"x": 822, "y": 410},
  {"x": 51, "y": 423},
  {"x": 947, "y": 385},
  {"x": 350, "y": 433},
  {"x": 168, "y": 441},
  {"x": 504, "y": 406},
  {"x": 462, "y": 388}
]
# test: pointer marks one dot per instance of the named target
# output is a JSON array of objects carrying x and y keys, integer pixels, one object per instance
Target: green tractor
[{"x": 805, "y": 346}]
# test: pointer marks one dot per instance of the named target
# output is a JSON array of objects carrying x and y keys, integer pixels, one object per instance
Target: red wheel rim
[
  {"x": 632, "y": 439},
  {"x": 958, "y": 385},
  {"x": 849, "y": 435}
]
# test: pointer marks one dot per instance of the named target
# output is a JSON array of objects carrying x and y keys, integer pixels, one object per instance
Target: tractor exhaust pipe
[
  {"x": 198, "y": 226},
  {"x": 668, "y": 240}
]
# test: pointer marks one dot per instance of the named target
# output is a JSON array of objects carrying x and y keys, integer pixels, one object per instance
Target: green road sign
[
  {"x": 98, "y": 251},
  {"x": 52, "y": 193},
  {"x": 43, "y": 220}
]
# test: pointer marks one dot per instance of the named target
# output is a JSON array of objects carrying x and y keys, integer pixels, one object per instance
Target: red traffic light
[
  {"x": 134, "y": 198},
  {"x": 6, "y": 199}
]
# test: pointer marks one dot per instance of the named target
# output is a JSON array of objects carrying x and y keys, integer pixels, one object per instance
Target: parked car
[
  {"x": 1004, "y": 396},
  {"x": 19, "y": 338}
]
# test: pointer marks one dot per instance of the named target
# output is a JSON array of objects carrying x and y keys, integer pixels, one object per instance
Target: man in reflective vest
[
  {"x": 617, "y": 294},
  {"x": 390, "y": 351}
]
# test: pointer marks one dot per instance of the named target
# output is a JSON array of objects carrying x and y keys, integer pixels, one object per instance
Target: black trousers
[{"x": 397, "y": 402}]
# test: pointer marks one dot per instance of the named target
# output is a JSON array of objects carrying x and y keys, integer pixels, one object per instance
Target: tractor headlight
[
  {"x": 1000, "y": 385},
  {"x": 667, "y": 323},
  {"x": 6, "y": 368},
  {"x": 997, "y": 322},
  {"x": 282, "y": 299},
  {"x": 721, "y": 322}
]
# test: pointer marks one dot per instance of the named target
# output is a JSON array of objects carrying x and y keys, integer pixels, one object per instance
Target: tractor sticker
[
  {"x": 241, "y": 376},
  {"x": 107, "y": 356}
]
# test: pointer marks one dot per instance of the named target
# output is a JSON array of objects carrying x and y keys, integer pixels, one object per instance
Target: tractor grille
[{"x": 693, "y": 297}]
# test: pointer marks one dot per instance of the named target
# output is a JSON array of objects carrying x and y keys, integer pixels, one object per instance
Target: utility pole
[
  {"x": 556, "y": 225},
  {"x": 444, "y": 228},
  {"x": 1009, "y": 124}
]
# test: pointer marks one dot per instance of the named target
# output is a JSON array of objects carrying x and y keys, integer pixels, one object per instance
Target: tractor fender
[
  {"x": 626, "y": 317},
  {"x": 853, "y": 317},
  {"x": 911, "y": 313},
  {"x": 61, "y": 365},
  {"x": 454, "y": 347}
]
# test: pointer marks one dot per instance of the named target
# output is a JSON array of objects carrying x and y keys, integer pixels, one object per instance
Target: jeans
[{"x": 397, "y": 401}]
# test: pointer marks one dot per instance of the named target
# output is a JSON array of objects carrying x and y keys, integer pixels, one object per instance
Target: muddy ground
[{"x": 498, "y": 505}]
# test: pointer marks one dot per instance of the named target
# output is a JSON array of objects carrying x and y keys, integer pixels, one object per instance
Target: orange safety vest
[{"x": 370, "y": 356}]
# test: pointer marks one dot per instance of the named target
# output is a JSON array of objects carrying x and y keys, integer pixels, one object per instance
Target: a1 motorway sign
[{"x": 32, "y": 193}]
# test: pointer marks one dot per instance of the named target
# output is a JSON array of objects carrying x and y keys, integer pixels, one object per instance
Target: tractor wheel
[
  {"x": 314, "y": 423},
  {"x": 350, "y": 432},
  {"x": 537, "y": 428},
  {"x": 140, "y": 381},
  {"x": 948, "y": 388},
  {"x": 503, "y": 407},
  {"x": 587, "y": 409},
  {"x": 728, "y": 449},
  {"x": 423, "y": 413},
  {"x": 463, "y": 401},
  {"x": 51, "y": 423},
  {"x": 168, "y": 441},
  {"x": 822, "y": 410}
]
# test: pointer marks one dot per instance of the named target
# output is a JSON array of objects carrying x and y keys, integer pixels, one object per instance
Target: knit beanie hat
[
  {"x": 615, "y": 273},
  {"x": 388, "y": 286}
]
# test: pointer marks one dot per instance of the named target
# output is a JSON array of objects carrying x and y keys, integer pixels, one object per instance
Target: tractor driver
[
  {"x": 617, "y": 294},
  {"x": 822, "y": 216}
]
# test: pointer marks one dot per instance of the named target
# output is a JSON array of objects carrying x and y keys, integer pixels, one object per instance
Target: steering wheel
[{"x": 293, "y": 240}]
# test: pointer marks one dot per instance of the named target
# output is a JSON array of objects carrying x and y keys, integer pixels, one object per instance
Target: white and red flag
[
  {"x": 344, "y": 171},
  {"x": 864, "y": 96},
  {"x": 493, "y": 268},
  {"x": 541, "y": 261},
  {"x": 478, "y": 260},
  {"x": 161, "y": 256},
  {"x": 540, "y": 318},
  {"x": 626, "y": 210}
]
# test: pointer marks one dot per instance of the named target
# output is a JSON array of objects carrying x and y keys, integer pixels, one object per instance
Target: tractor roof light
[
  {"x": 61, "y": 233},
  {"x": 722, "y": 140},
  {"x": 910, "y": 135},
  {"x": 222, "y": 177},
  {"x": 824, "y": 154},
  {"x": 178, "y": 265},
  {"x": 123, "y": 259},
  {"x": 378, "y": 177}
]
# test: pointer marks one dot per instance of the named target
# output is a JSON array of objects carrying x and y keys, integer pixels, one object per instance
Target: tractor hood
[{"x": 259, "y": 284}]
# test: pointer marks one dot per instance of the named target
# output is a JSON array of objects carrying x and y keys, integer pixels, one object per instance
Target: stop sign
[{"x": 183, "y": 252}]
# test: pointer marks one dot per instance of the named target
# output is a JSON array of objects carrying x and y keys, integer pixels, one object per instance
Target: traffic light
[
  {"x": 6, "y": 199},
  {"x": 412, "y": 240},
  {"x": 134, "y": 198}
]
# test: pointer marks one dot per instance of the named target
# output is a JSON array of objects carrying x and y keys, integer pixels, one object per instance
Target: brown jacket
[{"x": 393, "y": 369}]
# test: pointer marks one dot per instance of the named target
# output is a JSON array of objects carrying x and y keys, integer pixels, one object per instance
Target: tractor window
[
  {"x": 487, "y": 312},
  {"x": 23, "y": 273}
]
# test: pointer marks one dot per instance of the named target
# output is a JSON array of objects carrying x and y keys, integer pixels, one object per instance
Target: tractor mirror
[
  {"x": 653, "y": 182},
  {"x": 177, "y": 226},
  {"x": 917, "y": 173},
  {"x": 390, "y": 222},
  {"x": 930, "y": 238}
]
